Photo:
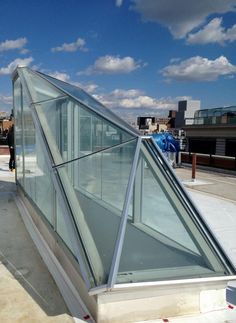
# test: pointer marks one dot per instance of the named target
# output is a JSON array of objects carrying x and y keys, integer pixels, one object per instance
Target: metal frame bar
[
  {"x": 94, "y": 153},
  {"x": 175, "y": 282},
  {"x": 124, "y": 216},
  {"x": 64, "y": 96},
  {"x": 138, "y": 192}
]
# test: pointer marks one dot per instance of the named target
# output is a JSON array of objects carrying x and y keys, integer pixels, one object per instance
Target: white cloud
[
  {"x": 60, "y": 75},
  {"x": 213, "y": 32},
  {"x": 119, "y": 3},
  {"x": 134, "y": 99},
  {"x": 6, "y": 99},
  {"x": 17, "y": 62},
  {"x": 175, "y": 60},
  {"x": 24, "y": 51},
  {"x": 13, "y": 44},
  {"x": 112, "y": 65},
  {"x": 88, "y": 87},
  {"x": 199, "y": 69},
  {"x": 123, "y": 94},
  {"x": 79, "y": 44},
  {"x": 181, "y": 16},
  {"x": 6, "y": 103}
]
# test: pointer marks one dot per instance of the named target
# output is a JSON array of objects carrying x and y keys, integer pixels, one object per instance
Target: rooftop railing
[{"x": 215, "y": 120}]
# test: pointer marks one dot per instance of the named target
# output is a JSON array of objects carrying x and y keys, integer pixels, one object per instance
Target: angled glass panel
[
  {"x": 38, "y": 182},
  {"x": 99, "y": 183},
  {"x": 61, "y": 225},
  {"x": 105, "y": 175},
  {"x": 89, "y": 101},
  {"x": 40, "y": 90},
  {"x": 162, "y": 242},
  {"x": 30, "y": 161},
  {"x": 76, "y": 131},
  {"x": 18, "y": 130},
  {"x": 44, "y": 189}
]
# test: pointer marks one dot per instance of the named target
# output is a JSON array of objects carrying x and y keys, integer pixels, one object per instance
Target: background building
[
  {"x": 212, "y": 131},
  {"x": 186, "y": 110},
  {"x": 147, "y": 125}
]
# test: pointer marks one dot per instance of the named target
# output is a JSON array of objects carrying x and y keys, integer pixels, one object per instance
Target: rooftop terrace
[{"x": 28, "y": 291}]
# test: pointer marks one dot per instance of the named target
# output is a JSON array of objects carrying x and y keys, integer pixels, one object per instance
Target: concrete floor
[
  {"x": 28, "y": 292},
  {"x": 213, "y": 182},
  {"x": 214, "y": 194}
]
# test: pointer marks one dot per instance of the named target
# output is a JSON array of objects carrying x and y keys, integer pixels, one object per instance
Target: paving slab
[{"x": 210, "y": 181}]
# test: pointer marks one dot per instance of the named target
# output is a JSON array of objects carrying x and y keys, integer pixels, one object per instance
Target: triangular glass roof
[
  {"x": 131, "y": 218},
  {"x": 89, "y": 101}
]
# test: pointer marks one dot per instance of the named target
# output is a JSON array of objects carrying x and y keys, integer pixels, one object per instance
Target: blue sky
[{"x": 136, "y": 56}]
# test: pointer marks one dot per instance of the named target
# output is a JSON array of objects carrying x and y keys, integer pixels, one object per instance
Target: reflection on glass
[
  {"x": 90, "y": 101},
  {"x": 76, "y": 131}
]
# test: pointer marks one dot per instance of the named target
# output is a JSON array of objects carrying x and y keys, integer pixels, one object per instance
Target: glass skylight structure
[{"x": 107, "y": 192}]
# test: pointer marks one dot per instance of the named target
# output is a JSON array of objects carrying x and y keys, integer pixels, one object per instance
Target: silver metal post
[{"x": 124, "y": 215}]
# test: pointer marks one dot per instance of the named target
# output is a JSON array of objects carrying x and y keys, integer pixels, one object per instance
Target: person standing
[{"x": 10, "y": 142}]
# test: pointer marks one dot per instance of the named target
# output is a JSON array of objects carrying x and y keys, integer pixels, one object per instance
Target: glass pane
[
  {"x": 105, "y": 174},
  {"x": 90, "y": 101},
  {"x": 44, "y": 186},
  {"x": 162, "y": 242},
  {"x": 62, "y": 228},
  {"x": 74, "y": 131},
  {"x": 39, "y": 88},
  {"x": 18, "y": 130},
  {"x": 30, "y": 165},
  {"x": 99, "y": 187},
  {"x": 37, "y": 179},
  {"x": 158, "y": 210}
]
